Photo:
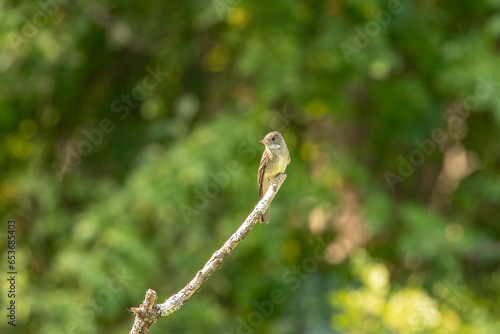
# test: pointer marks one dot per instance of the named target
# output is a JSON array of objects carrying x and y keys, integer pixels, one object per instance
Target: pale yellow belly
[{"x": 278, "y": 165}]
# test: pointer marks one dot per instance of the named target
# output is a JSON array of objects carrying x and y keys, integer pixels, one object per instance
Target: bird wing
[{"x": 262, "y": 169}]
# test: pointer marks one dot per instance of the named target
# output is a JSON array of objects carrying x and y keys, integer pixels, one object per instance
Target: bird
[{"x": 274, "y": 161}]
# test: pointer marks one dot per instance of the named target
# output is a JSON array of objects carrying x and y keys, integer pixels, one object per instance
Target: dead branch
[{"x": 149, "y": 312}]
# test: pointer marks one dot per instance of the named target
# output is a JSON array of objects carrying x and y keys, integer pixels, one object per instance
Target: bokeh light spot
[
  {"x": 454, "y": 232},
  {"x": 217, "y": 59}
]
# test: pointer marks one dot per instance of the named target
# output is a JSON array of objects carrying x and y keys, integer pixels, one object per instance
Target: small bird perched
[{"x": 274, "y": 161}]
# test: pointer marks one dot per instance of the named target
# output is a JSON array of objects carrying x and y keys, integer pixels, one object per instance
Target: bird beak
[{"x": 263, "y": 141}]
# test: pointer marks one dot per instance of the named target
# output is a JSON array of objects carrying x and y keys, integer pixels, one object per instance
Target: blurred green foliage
[{"x": 128, "y": 150}]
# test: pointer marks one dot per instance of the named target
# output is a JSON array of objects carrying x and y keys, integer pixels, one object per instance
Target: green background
[{"x": 129, "y": 153}]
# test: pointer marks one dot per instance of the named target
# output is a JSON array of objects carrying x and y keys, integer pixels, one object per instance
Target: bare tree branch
[{"x": 149, "y": 312}]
